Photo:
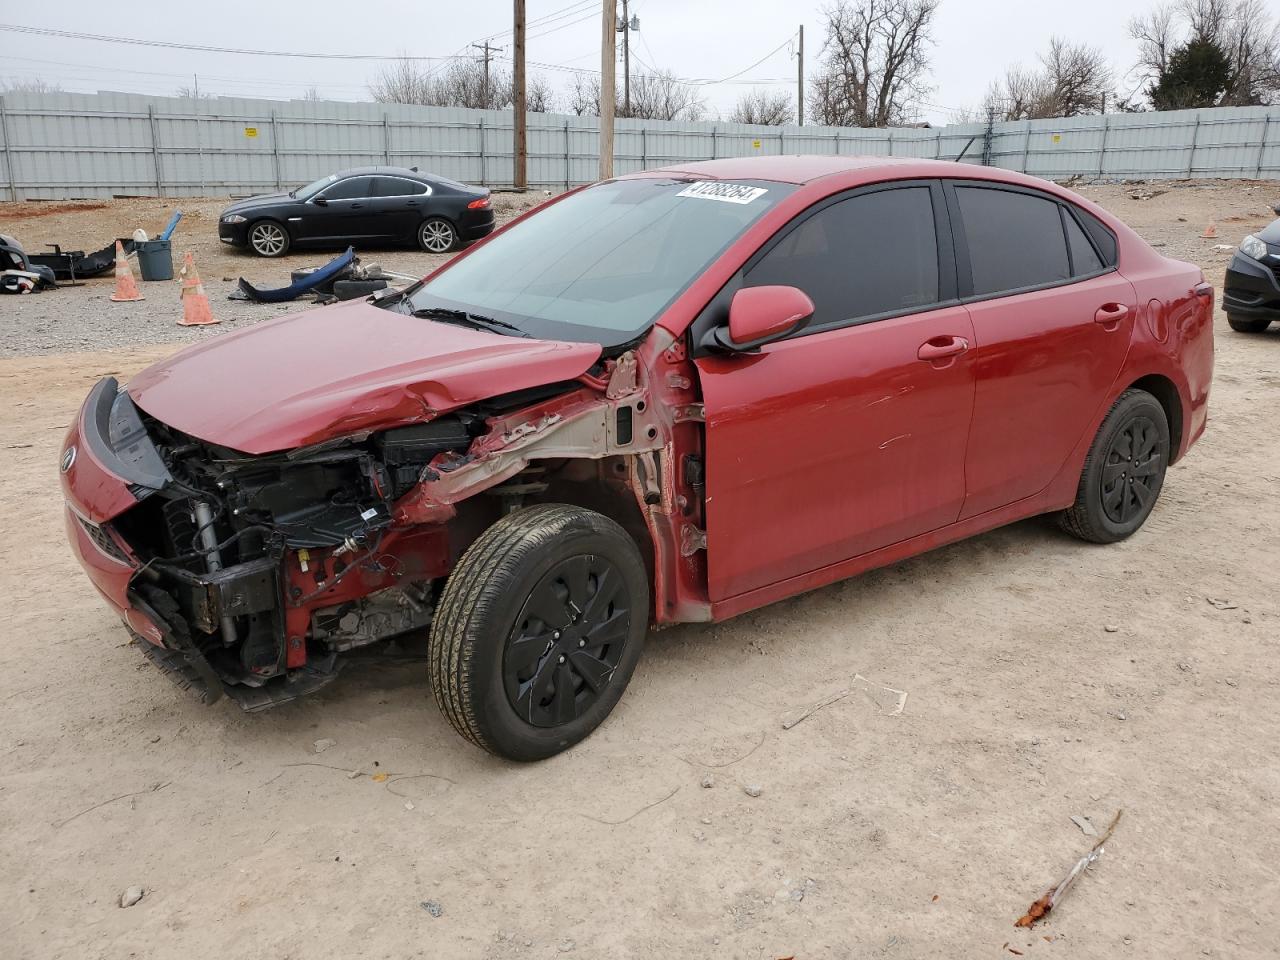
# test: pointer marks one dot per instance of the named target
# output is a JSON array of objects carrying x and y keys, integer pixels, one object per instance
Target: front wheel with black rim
[
  {"x": 1123, "y": 472},
  {"x": 268, "y": 239},
  {"x": 1247, "y": 325},
  {"x": 436, "y": 235},
  {"x": 538, "y": 630}
]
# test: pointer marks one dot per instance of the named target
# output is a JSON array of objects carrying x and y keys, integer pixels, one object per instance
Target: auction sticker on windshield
[{"x": 727, "y": 192}]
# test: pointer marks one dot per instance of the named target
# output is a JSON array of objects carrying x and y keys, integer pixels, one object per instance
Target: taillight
[{"x": 481, "y": 204}]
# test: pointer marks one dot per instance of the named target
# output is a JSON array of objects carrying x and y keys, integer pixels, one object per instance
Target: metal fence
[{"x": 63, "y": 146}]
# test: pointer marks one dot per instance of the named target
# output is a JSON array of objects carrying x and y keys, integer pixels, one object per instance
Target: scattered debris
[
  {"x": 566, "y": 946},
  {"x": 1111, "y": 628},
  {"x": 380, "y": 777},
  {"x": 1085, "y": 825},
  {"x": 124, "y": 796},
  {"x": 132, "y": 896},
  {"x": 408, "y": 804},
  {"x": 648, "y": 806},
  {"x": 324, "y": 744},
  {"x": 1046, "y": 903},
  {"x": 752, "y": 789},
  {"x": 707, "y": 782},
  {"x": 1209, "y": 232},
  {"x": 304, "y": 283},
  {"x": 1224, "y": 246},
  {"x": 1221, "y": 604},
  {"x": 859, "y": 683},
  {"x": 353, "y": 774},
  {"x": 433, "y": 907}
]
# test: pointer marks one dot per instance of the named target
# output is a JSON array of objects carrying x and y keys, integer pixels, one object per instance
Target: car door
[
  {"x": 398, "y": 206},
  {"x": 849, "y": 436},
  {"x": 339, "y": 212},
  {"x": 1052, "y": 320}
]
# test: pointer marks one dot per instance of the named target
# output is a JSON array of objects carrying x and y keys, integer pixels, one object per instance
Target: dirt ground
[{"x": 920, "y": 834}]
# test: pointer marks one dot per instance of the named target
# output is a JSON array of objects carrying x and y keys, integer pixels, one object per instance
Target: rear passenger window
[
  {"x": 1084, "y": 259},
  {"x": 868, "y": 255},
  {"x": 1015, "y": 240},
  {"x": 397, "y": 187}
]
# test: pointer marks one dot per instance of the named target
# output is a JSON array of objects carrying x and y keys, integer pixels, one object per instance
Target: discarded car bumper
[{"x": 1251, "y": 289}]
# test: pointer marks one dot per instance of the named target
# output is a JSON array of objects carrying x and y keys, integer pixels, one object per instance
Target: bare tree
[
  {"x": 191, "y": 93},
  {"x": 14, "y": 85},
  {"x": 874, "y": 62},
  {"x": 770, "y": 107},
  {"x": 1243, "y": 30},
  {"x": 656, "y": 96},
  {"x": 1073, "y": 79},
  {"x": 460, "y": 83},
  {"x": 311, "y": 94}
]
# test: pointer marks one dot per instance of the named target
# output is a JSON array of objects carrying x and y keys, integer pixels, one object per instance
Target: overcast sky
[{"x": 974, "y": 40}]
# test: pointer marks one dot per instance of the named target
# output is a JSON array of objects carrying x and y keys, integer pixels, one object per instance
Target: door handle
[
  {"x": 939, "y": 348},
  {"x": 356, "y": 206},
  {"x": 1111, "y": 313}
]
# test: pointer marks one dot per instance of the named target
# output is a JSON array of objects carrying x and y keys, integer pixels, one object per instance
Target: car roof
[
  {"x": 803, "y": 169},
  {"x": 387, "y": 171}
]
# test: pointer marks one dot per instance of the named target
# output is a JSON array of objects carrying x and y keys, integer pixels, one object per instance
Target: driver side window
[
  {"x": 352, "y": 188},
  {"x": 869, "y": 255}
]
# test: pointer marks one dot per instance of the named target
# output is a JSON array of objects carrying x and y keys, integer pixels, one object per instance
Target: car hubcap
[
  {"x": 268, "y": 239},
  {"x": 1130, "y": 472},
  {"x": 567, "y": 641},
  {"x": 436, "y": 236}
]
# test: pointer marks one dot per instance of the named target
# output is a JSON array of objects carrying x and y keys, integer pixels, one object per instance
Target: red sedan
[{"x": 673, "y": 396}]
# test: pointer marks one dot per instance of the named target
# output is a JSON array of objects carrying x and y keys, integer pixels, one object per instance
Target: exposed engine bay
[{"x": 266, "y": 568}]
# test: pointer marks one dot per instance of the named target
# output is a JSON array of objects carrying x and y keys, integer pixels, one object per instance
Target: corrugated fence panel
[{"x": 63, "y": 145}]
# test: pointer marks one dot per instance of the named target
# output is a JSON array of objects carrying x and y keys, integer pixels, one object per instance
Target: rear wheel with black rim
[
  {"x": 437, "y": 235},
  {"x": 538, "y": 630},
  {"x": 1123, "y": 472},
  {"x": 269, "y": 239}
]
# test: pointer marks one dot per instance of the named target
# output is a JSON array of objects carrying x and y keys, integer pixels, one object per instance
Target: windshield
[
  {"x": 601, "y": 266},
  {"x": 305, "y": 193}
]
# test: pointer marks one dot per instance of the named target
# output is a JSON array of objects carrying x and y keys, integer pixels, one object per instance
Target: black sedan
[
  {"x": 362, "y": 207},
  {"x": 1251, "y": 292}
]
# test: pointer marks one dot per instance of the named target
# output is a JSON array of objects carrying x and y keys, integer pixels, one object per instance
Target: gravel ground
[
  {"x": 84, "y": 318},
  {"x": 1047, "y": 679}
]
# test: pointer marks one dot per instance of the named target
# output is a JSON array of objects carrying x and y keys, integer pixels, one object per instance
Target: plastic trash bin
[{"x": 155, "y": 259}]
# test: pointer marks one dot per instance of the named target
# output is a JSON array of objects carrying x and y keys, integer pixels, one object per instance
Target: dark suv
[{"x": 1251, "y": 291}]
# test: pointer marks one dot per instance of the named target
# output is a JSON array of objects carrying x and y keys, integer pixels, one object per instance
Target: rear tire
[
  {"x": 538, "y": 630},
  {"x": 1123, "y": 472},
  {"x": 1242, "y": 325},
  {"x": 437, "y": 235}
]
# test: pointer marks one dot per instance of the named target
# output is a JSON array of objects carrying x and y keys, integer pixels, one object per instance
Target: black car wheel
[
  {"x": 538, "y": 630},
  {"x": 1123, "y": 472},
  {"x": 437, "y": 235},
  {"x": 1241, "y": 325},
  {"x": 269, "y": 239}
]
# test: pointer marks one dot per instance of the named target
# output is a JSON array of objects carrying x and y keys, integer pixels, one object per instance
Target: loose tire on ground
[
  {"x": 512, "y": 667},
  {"x": 354, "y": 289},
  {"x": 1242, "y": 325},
  {"x": 1123, "y": 472}
]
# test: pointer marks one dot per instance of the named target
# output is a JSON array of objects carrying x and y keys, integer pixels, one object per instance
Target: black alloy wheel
[{"x": 567, "y": 641}]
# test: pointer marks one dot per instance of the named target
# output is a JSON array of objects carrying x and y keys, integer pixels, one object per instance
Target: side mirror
[
  {"x": 320, "y": 201},
  {"x": 760, "y": 315}
]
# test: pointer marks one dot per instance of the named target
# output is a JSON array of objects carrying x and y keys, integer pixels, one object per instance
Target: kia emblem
[{"x": 68, "y": 458}]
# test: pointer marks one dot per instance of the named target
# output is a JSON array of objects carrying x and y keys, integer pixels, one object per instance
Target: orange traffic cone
[
  {"x": 1210, "y": 232},
  {"x": 195, "y": 305},
  {"x": 126, "y": 286}
]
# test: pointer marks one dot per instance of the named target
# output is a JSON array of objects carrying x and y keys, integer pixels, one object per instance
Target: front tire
[
  {"x": 437, "y": 235},
  {"x": 1123, "y": 472},
  {"x": 268, "y": 239},
  {"x": 538, "y": 631},
  {"x": 1242, "y": 325}
]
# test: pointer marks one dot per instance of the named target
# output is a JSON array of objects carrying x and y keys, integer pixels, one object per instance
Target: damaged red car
[{"x": 669, "y": 397}]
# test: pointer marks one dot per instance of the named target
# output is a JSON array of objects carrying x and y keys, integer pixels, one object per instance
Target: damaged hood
[{"x": 339, "y": 370}]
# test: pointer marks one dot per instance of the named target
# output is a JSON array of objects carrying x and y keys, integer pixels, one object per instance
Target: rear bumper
[
  {"x": 1251, "y": 290},
  {"x": 475, "y": 225}
]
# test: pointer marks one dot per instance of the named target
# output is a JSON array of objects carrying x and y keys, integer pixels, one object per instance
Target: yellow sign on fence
[
  {"x": 756, "y": 144},
  {"x": 250, "y": 131}
]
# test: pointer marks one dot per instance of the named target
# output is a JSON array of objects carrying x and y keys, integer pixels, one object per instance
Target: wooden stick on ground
[{"x": 1046, "y": 903}]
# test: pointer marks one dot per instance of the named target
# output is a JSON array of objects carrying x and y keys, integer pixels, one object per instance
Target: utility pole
[
  {"x": 800, "y": 79},
  {"x": 489, "y": 51},
  {"x": 608, "y": 83},
  {"x": 626, "y": 61},
  {"x": 520, "y": 174}
]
